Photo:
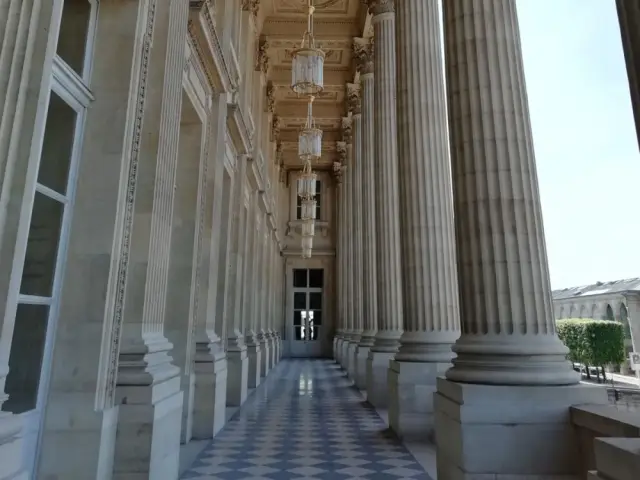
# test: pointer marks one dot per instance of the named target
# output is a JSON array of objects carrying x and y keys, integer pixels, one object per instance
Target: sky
[{"x": 584, "y": 137}]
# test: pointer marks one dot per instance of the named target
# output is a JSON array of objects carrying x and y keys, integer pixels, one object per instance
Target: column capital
[
  {"x": 378, "y": 7},
  {"x": 353, "y": 98},
  {"x": 271, "y": 97},
  {"x": 363, "y": 53},
  {"x": 276, "y": 125},
  {"x": 337, "y": 172},
  {"x": 341, "y": 149},
  {"x": 252, "y": 6},
  {"x": 346, "y": 129},
  {"x": 262, "y": 57}
]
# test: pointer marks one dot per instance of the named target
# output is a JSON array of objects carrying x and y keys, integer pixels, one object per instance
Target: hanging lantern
[
  {"x": 310, "y": 138},
  {"x": 307, "y": 182},
  {"x": 308, "y": 228},
  {"x": 308, "y": 210},
  {"x": 307, "y": 67},
  {"x": 307, "y": 246}
]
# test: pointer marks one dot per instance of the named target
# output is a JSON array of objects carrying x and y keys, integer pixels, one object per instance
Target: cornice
[{"x": 238, "y": 129}]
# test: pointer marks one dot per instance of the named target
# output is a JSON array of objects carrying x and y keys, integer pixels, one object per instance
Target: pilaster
[
  {"x": 252, "y": 293},
  {"x": 148, "y": 384},
  {"x": 509, "y": 353}
]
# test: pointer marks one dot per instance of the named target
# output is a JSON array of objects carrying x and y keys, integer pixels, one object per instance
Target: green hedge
[{"x": 593, "y": 342}]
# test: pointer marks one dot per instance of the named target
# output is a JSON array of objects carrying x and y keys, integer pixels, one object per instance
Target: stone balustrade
[{"x": 609, "y": 442}]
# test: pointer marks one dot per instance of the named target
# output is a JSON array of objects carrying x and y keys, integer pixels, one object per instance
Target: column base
[
  {"x": 338, "y": 351},
  {"x": 12, "y": 447},
  {"x": 362, "y": 354},
  {"x": 265, "y": 352},
  {"x": 210, "y": 383},
  {"x": 334, "y": 353},
  {"x": 411, "y": 389},
  {"x": 237, "y": 376},
  {"x": 509, "y": 432},
  {"x": 377, "y": 378},
  {"x": 148, "y": 426},
  {"x": 344, "y": 354},
  {"x": 352, "y": 369},
  {"x": 254, "y": 355}
]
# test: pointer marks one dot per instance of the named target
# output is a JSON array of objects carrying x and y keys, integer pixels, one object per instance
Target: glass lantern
[
  {"x": 308, "y": 210},
  {"x": 310, "y": 143},
  {"x": 307, "y": 67},
  {"x": 307, "y": 246},
  {"x": 309, "y": 228},
  {"x": 307, "y": 183}
]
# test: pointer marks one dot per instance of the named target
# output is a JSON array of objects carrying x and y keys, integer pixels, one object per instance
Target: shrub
[{"x": 592, "y": 342}]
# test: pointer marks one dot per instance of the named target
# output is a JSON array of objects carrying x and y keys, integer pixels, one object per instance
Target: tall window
[
  {"x": 51, "y": 203},
  {"x": 318, "y": 203},
  {"x": 307, "y": 303}
]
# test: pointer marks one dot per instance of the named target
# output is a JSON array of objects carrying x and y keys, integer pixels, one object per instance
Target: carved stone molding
[
  {"x": 276, "y": 125},
  {"x": 252, "y": 6},
  {"x": 279, "y": 153},
  {"x": 353, "y": 98},
  {"x": 271, "y": 98},
  {"x": 378, "y": 7},
  {"x": 346, "y": 129},
  {"x": 363, "y": 54},
  {"x": 262, "y": 57}
]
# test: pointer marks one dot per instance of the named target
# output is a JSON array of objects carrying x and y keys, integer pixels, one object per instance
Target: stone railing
[{"x": 609, "y": 441}]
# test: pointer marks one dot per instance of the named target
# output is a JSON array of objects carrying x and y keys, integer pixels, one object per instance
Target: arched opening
[
  {"x": 572, "y": 311},
  {"x": 609, "y": 314}
]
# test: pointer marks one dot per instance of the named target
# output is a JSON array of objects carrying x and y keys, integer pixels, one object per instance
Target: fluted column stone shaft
[
  {"x": 367, "y": 180},
  {"x": 349, "y": 273},
  {"x": 389, "y": 285},
  {"x": 356, "y": 227},
  {"x": 430, "y": 304},
  {"x": 508, "y": 329}
]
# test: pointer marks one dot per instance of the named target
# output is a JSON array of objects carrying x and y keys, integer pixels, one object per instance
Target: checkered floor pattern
[{"x": 306, "y": 421}]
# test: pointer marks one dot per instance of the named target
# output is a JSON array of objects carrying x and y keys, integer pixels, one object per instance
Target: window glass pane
[
  {"x": 313, "y": 333},
  {"x": 25, "y": 359},
  {"x": 316, "y": 278},
  {"x": 74, "y": 28},
  {"x": 297, "y": 318},
  {"x": 42, "y": 246},
  {"x": 57, "y": 145},
  {"x": 315, "y": 301},
  {"x": 299, "y": 277},
  {"x": 299, "y": 300},
  {"x": 299, "y": 332},
  {"x": 298, "y": 207},
  {"x": 317, "y": 317},
  {"x": 318, "y": 200}
]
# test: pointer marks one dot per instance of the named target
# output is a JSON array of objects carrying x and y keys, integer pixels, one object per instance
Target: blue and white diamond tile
[{"x": 306, "y": 422}]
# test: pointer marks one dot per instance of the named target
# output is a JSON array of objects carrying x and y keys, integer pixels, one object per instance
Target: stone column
[
  {"x": 252, "y": 294},
  {"x": 340, "y": 259},
  {"x": 271, "y": 279},
  {"x": 348, "y": 273},
  {"x": 263, "y": 295},
  {"x": 148, "y": 384},
  {"x": 430, "y": 303},
  {"x": 357, "y": 371},
  {"x": 510, "y": 360},
  {"x": 363, "y": 51},
  {"x": 629, "y": 18},
  {"x": 238, "y": 363},
  {"x": 389, "y": 284}
]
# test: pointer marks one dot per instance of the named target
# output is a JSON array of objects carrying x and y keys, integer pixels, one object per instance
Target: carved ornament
[
  {"x": 341, "y": 150},
  {"x": 346, "y": 129},
  {"x": 378, "y": 7},
  {"x": 252, "y": 6},
  {"x": 262, "y": 57},
  {"x": 276, "y": 125},
  {"x": 337, "y": 172},
  {"x": 353, "y": 98},
  {"x": 363, "y": 54},
  {"x": 271, "y": 98}
]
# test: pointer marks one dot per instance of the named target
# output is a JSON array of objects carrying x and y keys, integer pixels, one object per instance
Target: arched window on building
[
  {"x": 624, "y": 319},
  {"x": 610, "y": 315}
]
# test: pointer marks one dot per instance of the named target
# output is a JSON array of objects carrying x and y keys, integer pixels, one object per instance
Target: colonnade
[
  {"x": 466, "y": 349},
  {"x": 159, "y": 274}
]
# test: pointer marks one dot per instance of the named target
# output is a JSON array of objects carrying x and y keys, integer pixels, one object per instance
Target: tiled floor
[{"x": 306, "y": 421}]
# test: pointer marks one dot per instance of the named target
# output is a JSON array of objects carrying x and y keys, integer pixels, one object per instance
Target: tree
[{"x": 592, "y": 342}]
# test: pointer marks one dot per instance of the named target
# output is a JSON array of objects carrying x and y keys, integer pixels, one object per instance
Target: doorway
[{"x": 306, "y": 327}]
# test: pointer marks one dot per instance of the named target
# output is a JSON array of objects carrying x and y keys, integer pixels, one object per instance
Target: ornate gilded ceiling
[{"x": 336, "y": 23}]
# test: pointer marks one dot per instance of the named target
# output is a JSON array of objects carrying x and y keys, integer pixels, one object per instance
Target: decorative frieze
[
  {"x": 363, "y": 54},
  {"x": 262, "y": 57},
  {"x": 353, "y": 98}
]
